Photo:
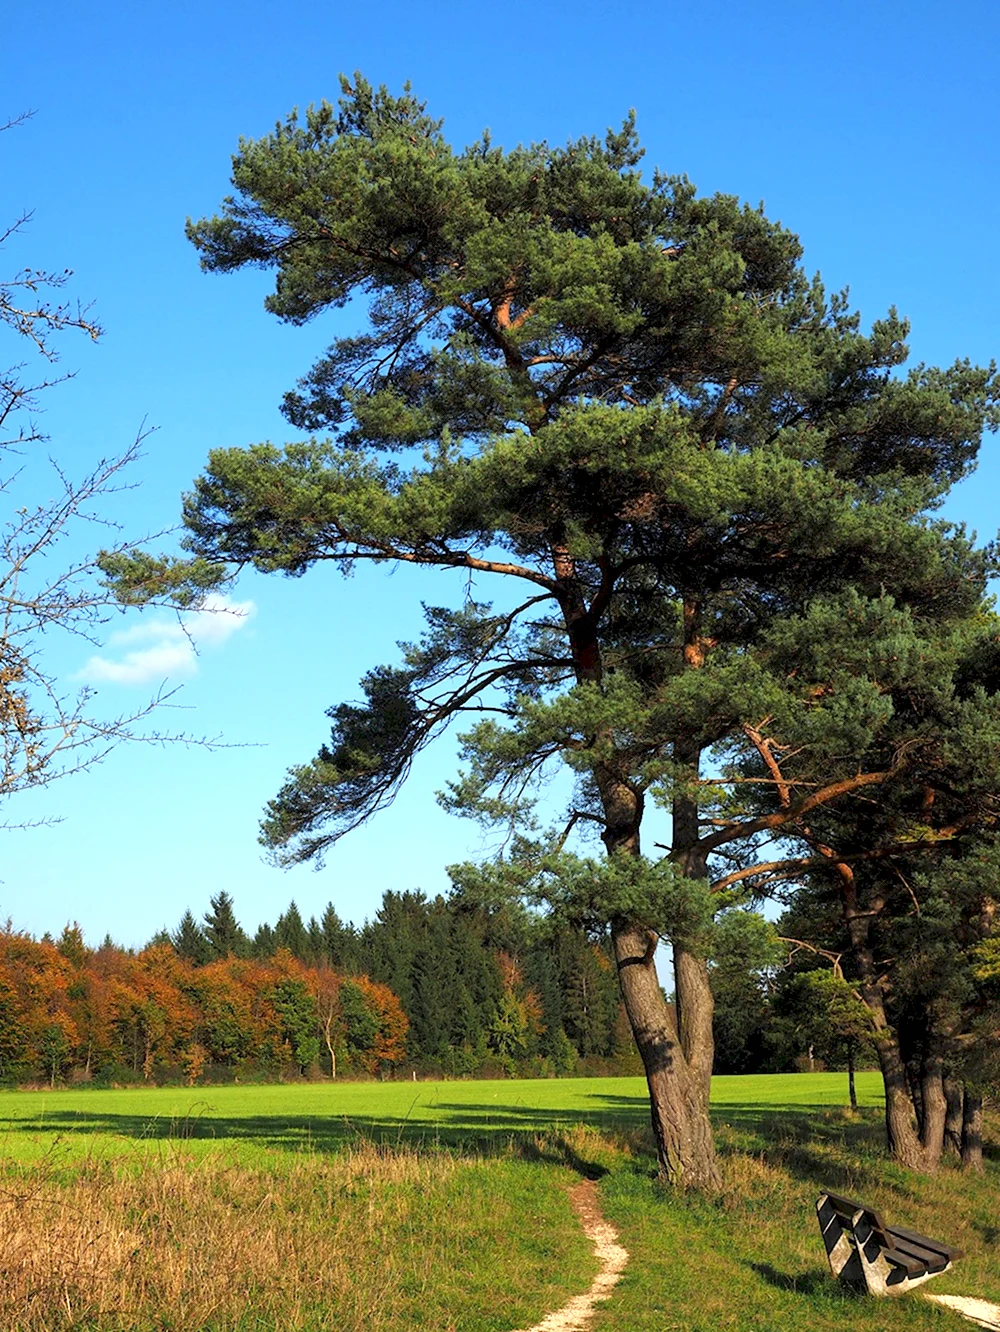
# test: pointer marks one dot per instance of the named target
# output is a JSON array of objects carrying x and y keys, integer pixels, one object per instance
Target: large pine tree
[{"x": 684, "y": 466}]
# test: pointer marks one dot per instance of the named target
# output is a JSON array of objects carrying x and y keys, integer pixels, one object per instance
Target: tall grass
[{"x": 377, "y": 1238}]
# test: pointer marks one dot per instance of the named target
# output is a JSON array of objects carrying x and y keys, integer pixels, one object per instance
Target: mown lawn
[
  {"x": 445, "y": 1206},
  {"x": 325, "y": 1116}
]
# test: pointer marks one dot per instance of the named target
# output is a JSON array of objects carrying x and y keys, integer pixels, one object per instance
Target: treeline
[
  {"x": 439, "y": 985},
  {"x": 497, "y": 989},
  {"x": 485, "y": 990},
  {"x": 442, "y": 986},
  {"x": 69, "y": 1012}
]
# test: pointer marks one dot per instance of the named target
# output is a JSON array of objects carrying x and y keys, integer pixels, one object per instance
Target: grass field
[
  {"x": 325, "y": 1116},
  {"x": 445, "y": 1206}
]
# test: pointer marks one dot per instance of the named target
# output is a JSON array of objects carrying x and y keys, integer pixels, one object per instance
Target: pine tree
[
  {"x": 223, "y": 931},
  {"x": 703, "y": 489},
  {"x": 189, "y": 941}
]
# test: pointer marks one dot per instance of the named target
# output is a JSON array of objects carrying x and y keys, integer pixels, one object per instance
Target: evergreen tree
[
  {"x": 72, "y": 947},
  {"x": 290, "y": 933},
  {"x": 745, "y": 957},
  {"x": 830, "y": 1019},
  {"x": 708, "y": 485},
  {"x": 315, "y": 942},
  {"x": 360, "y": 1022},
  {"x": 223, "y": 931},
  {"x": 899, "y": 891},
  {"x": 542, "y": 974},
  {"x": 390, "y": 942},
  {"x": 299, "y": 1021},
  {"x": 340, "y": 941},
  {"x": 189, "y": 941},
  {"x": 264, "y": 942}
]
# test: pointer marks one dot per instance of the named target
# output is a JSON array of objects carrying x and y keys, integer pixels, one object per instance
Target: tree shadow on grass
[
  {"x": 558, "y": 1151},
  {"x": 468, "y": 1128},
  {"x": 479, "y": 1127}
]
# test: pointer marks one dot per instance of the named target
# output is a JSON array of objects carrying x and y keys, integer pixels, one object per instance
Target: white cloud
[{"x": 167, "y": 648}]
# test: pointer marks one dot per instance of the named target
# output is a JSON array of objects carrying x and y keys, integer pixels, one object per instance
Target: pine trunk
[
  {"x": 695, "y": 1011},
  {"x": 972, "y": 1130},
  {"x": 900, "y": 1128},
  {"x": 954, "y": 1096},
  {"x": 901, "y": 1133},
  {"x": 678, "y": 1091},
  {"x": 678, "y": 1105},
  {"x": 852, "y": 1090},
  {"x": 935, "y": 1107}
]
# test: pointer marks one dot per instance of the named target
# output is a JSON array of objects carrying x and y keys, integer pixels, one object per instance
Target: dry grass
[{"x": 371, "y": 1239}]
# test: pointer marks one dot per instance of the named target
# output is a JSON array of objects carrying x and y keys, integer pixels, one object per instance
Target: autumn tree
[{"x": 699, "y": 488}]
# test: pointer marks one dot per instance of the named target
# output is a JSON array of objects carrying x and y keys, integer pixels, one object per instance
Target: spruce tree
[
  {"x": 315, "y": 943},
  {"x": 340, "y": 941},
  {"x": 224, "y": 933},
  {"x": 189, "y": 941},
  {"x": 699, "y": 487},
  {"x": 290, "y": 932},
  {"x": 264, "y": 942}
]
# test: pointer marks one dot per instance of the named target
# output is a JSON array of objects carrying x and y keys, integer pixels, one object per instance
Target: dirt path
[
  {"x": 980, "y": 1312},
  {"x": 577, "y": 1314}
]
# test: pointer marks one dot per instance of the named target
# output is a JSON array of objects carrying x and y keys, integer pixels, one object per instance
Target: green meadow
[
  {"x": 446, "y": 1206},
  {"x": 260, "y": 1121}
]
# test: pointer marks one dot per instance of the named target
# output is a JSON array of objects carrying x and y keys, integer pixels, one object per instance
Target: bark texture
[
  {"x": 902, "y": 1137},
  {"x": 681, "y": 1127},
  {"x": 972, "y": 1130},
  {"x": 954, "y": 1095},
  {"x": 935, "y": 1106},
  {"x": 676, "y": 1053}
]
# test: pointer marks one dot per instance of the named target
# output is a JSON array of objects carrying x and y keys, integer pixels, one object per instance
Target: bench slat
[
  {"x": 915, "y": 1258},
  {"x": 913, "y": 1237}
]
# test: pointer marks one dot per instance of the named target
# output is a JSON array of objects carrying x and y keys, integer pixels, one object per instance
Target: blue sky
[{"x": 870, "y": 129}]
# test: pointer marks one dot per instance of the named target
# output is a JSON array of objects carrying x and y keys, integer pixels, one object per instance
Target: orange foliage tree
[{"x": 67, "y": 1011}]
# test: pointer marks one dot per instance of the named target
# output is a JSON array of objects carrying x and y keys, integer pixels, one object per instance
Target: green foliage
[
  {"x": 585, "y": 892},
  {"x": 826, "y": 1013},
  {"x": 587, "y": 362},
  {"x": 190, "y": 941},
  {"x": 706, "y": 497},
  {"x": 745, "y": 958},
  {"x": 222, "y": 930},
  {"x": 297, "y": 1011},
  {"x": 290, "y": 932},
  {"x": 362, "y": 1024}
]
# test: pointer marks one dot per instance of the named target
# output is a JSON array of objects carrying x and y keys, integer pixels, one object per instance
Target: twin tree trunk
[
  {"x": 675, "y": 1045},
  {"x": 678, "y": 1093}
]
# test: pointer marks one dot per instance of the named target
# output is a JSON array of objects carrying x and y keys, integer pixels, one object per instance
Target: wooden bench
[{"x": 864, "y": 1252}]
